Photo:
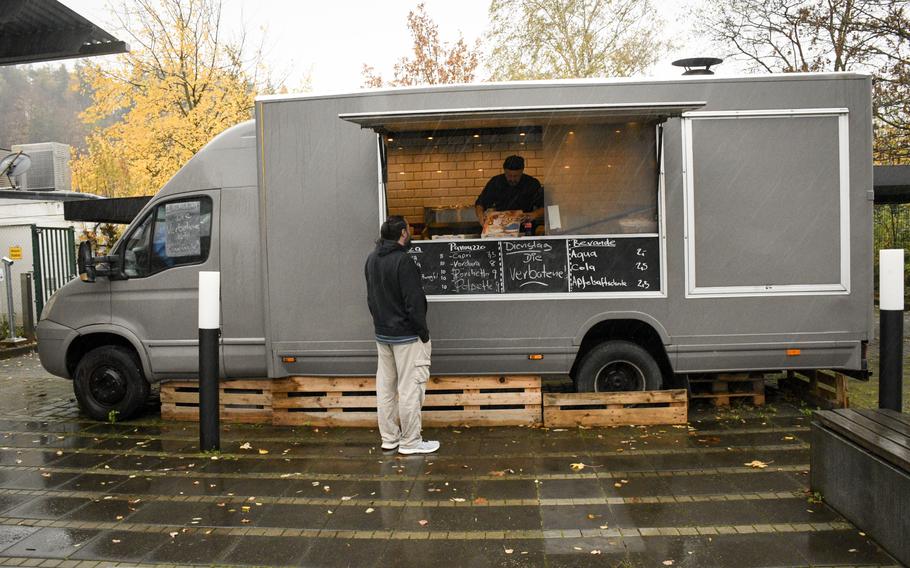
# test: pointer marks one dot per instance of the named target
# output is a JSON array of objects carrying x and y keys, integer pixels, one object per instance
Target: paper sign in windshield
[{"x": 184, "y": 231}]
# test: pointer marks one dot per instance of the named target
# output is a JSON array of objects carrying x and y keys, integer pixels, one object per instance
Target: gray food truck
[{"x": 696, "y": 225}]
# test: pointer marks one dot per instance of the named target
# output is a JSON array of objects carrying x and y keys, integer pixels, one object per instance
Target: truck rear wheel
[
  {"x": 618, "y": 366},
  {"x": 109, "y": 384}
]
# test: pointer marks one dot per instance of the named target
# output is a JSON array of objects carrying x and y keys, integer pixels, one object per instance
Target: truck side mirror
[{"x": 85, "y": 262}]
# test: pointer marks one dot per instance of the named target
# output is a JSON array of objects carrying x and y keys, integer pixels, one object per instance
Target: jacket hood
[{"x": 388, "y": 247}]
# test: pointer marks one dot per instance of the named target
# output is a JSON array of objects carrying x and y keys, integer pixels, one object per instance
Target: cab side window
[{"x": 175, "y": 233}]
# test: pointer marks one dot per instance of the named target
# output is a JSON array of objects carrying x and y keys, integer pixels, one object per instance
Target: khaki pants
[{"x": 401, "y": 383}]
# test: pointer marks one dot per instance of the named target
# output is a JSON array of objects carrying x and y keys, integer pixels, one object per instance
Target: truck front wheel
[
  {"x": 618, "y": 366},
  {"x": 109, "y": 384}
]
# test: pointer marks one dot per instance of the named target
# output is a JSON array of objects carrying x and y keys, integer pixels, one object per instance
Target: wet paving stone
[
  {"x": 220, "y": 513},
  {"x": 8, "y": 502},
  {"x": 135, "y": 463},
  {"x": 81, "y": 460},
  {"x": 440, "y": 490},
  {"x": 51, "y": 543},
  {"x": 768, "y": 481},
  {"x": 104, "y": 511},
  {"x": 27, "y": 458},
  {"x": 474, "y": 553},
  {"x": 577, "y": 552},
  {"x": 96, "y": 482},
  {"x": 357, "y": 518},
  {"x": 40, "y": 480},
  {"x": 47, "y": 507},
  {"x": 343, "y": 553},
  {"x": 195, "y": 548},
  {"x": 310, "y": 517},
  {"x": 10, "y": 535},
  {"x": 268, "y": 551},
  {"x": 492, "y": 518},
  {"x": 571, "y": 489},
  {"x": 506, "y": 489},
  {"x": 121, "y": 546}
]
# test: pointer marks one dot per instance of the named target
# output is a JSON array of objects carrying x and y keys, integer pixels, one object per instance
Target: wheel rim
[
  {"x": 619, "y": 376},
  {"x": 107, "y": 385}
]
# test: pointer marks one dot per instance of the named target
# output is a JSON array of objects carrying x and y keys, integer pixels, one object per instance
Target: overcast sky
[{"x": 331, "y": 40}]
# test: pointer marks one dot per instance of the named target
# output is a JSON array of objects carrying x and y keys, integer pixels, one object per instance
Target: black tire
[
  {"x": 618, "y": 366},
  {"x": 109, "y": 379}
]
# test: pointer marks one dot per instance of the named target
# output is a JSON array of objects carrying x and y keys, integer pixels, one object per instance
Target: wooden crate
[
  {"x": 721, "y": 388},
  {"x": 826, "y": 389},
  {"x": 615, "y": 408},
  {"x": 240, "y": 401},
  {"x": 450, "y": 401}
]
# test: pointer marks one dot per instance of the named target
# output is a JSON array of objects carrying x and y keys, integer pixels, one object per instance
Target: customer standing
[{"x": 399, "y": 308}]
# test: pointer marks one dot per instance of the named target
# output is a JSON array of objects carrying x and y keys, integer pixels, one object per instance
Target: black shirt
[{"x": 499, "y": 195}]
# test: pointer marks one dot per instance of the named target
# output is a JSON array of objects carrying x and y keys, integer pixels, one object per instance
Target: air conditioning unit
[{"x": 50, "y": 169}]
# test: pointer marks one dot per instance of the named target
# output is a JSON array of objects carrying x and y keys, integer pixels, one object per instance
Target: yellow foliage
[{"x": 156, "y": 106}]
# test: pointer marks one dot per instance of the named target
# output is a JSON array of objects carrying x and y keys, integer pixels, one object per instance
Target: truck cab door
[{"x": 160, "y": 260}]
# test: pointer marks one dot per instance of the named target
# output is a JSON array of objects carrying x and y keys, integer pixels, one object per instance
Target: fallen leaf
[
  {"x": 369, "y": 510},
  {"x": 509, "y": 551},
  {"x": 852, "y": 550},
  {"x": 602, "y": 527},
  {"x": 577, "y": 466},
  {"x": 667, "y": 563},
  {"x": 246, "y": 446},
  {"x": 617, "y": 484},
  {"x": 498, "y": 473},
  {"x": 457, "y": 499},
  {"x": 423, "y": 522},
  {"x": 480, "y": 501},
  {"x": 173, "y": 534},
  {"x": 315, "y": 483},
  {"x": 595, "y": 551},
  {"x": 115, "y": 540},
  {"x": 261, "y": 451},
  {"x": 244, "y": 521},
  {"x": 756, "y": 464}
]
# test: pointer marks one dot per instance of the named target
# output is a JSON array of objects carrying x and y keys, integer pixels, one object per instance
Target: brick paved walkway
[{"x": 75, "y": 493}]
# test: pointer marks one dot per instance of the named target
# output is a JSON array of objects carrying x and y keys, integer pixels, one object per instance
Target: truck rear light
[
  {"x": 535, "y": 356},
  {"x": 289, "y": 359},
  {"x": 794, "y": 352}
]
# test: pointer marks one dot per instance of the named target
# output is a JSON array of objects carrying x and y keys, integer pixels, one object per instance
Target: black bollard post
[
  {"x": 209, "y": 332},
  {"x": 891, "y": 329}
]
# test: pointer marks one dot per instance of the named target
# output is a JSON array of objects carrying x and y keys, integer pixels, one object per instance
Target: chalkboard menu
[{"x": 539, "y": 266}]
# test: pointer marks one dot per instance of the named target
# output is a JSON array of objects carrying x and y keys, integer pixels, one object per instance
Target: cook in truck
[{"x": 510, "y": 191}]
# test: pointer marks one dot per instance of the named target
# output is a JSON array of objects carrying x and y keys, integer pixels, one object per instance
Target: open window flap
[{"x": 455, "y": 119}]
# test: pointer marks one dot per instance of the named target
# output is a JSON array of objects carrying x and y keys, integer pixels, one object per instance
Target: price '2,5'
[{"x": 644, "y": 284}]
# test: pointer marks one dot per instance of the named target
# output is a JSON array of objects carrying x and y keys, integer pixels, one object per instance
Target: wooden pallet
[
  {"x": 826, "y": 389},
  {"x": 615, "y": 409},
  {"x": 450, "y": 401},
  {"x": 721, "y": 388},
  {"x": 240, "y": 401}
]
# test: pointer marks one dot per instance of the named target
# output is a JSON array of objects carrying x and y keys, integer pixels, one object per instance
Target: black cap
[{"x": 514, "y": 163}]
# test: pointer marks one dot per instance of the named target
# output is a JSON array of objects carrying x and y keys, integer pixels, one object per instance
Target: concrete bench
[{"x": 861, "y": 466}]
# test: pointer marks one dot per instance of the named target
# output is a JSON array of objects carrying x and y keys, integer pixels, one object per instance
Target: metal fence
[{"x": 54, "y": 261}]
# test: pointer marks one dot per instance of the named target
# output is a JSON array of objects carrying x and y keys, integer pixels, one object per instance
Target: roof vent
[{"x": 691, "y": 62}]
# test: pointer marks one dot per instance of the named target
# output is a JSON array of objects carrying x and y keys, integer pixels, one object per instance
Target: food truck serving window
[{"x": 528, "y": 200}]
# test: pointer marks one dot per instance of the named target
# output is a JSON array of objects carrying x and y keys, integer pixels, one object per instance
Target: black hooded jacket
[{"x": 394, "y": 293}]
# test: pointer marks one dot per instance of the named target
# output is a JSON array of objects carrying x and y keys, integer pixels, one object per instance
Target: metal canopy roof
[
  {"x": 892, "y": 184},
  {"x": 453, "y": 119},
  {"x": 113, "y": 210},
  {"x": 44, "y": 30}
]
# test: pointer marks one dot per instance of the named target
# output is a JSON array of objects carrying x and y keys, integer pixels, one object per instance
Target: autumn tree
[
  {"x": 561, "y": 39},
  {"x": 41, "y": 104},
  {"x": 432, "y": 62},
  {"x": 182, "y": 83},
  {"x": 867, "y": 36}
]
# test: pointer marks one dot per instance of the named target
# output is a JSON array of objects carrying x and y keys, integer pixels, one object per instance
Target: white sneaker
[
  {"x": 425, "y": 447},
  {"x": 389, "y": 445}
]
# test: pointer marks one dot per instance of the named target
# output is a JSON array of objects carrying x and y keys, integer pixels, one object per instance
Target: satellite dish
[{"x": 15, "y": 165}]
